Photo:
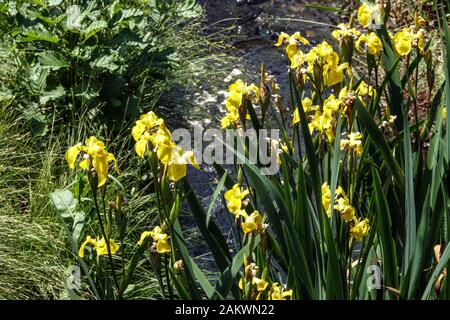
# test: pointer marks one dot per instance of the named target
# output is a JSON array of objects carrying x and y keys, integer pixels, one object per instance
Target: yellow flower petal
[
  {"x": 188, "y": 157},
  {"x": 360, "y": 229},
  {"x": 144, "y": 235},
  {"x": 296, "y": 118},
  {"x": 298, "y": 37},
  {"x": 88, "y": 240},
  {"x": 102, "y": 249},
  {"x": 162, "y": 246},
  {"x": 248, "y": 226},
  {"x": 138, "y": 130},
  {"x": 234, "y": 205},
  {"x": 403, "y": 42},
  {"x": 72, "y": 154},
  {"x": 84, "y": 164},
  {"x": 283, "y": 36},
  {"x": 287, "y": 294},
  {"x": 364, "y": 15},
  {"x": 141, "y": 146},
  {"x": 100, "y": 164},
  {"x": 261, "y": 284}
]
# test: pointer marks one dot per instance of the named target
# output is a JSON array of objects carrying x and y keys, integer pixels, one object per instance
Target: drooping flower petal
[
  {"x": 141, "y": 146},
  {"x": 144, "y": 235},
  {"x": 72, "y": 154}
]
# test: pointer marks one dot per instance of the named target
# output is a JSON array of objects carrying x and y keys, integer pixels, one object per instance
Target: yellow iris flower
[
  {"x": 252, "y": 222},
  {"x": 369, "y": 14},
  {"x": 360, "y": 229},
  {"x": 326, "y": 198},
  {"x": 372, "y": 41},
  {"x": 277, "y": 292},
  {"x": 297, "y": 60},
  {"x": 328, "y": 60},
  {"x": 150, "y": 130},
  {"x": 229, "y": 119},
  {"x": 307, "y": 105},
  {"x": 292, "y": 46},
  {"x": 95, "y": 156},
  {"x": 322, "y": 121},
  {"x": 234, "y": 197},
  {"x": 237, "y": 92},
  {"x": 420, "y": 38},
  {"x": 345, "y": 209},
  {"x": 175, "y": 159},
  {"x": 99, "y": 245},
  {"x": 339, "y": 194},
  {"x": 261, "y": 284},
  {"x": 296, "y": 117},
  {"x": 353, "y": 143},
  {"x": 161, "y": 239},
  {"x": 406, "y": 39},
  {"x": 365, "y": 89},
  {"x": 403, "y": 42},
  {"x": 344, "y": 31}
]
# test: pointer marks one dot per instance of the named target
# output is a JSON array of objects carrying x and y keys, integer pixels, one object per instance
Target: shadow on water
[{"x": 250, "y": 28}]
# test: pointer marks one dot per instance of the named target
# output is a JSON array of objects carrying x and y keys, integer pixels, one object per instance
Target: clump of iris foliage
[{"x": 362, "y": 181}]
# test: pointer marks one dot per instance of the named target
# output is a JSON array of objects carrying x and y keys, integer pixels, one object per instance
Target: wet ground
[{"x": 250, "y": 28}]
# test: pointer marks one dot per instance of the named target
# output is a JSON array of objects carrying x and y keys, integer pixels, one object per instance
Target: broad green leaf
[
  {"x": 55, "y": 2},
  {"x": 52, "y": 60},
  {"x": 108, "y": 62},
  {"x": 78, "y": 224},
  {"x": 36, "y": 35},
  {"x": 74, "y": 17},
  {"x": 188, "y": 9},
  {"x": 94, "y": 28},
  {"x": 65, "y": 203},
  {"x": 52, "y": 95},
  {"x": 38, "y": 78},
  {"x": 37, "y": 120}
]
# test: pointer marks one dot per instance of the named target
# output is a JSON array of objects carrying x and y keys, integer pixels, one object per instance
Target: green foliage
[
  {"x": 33, "y": 260},
  {"x": 399, "y": 181}
]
